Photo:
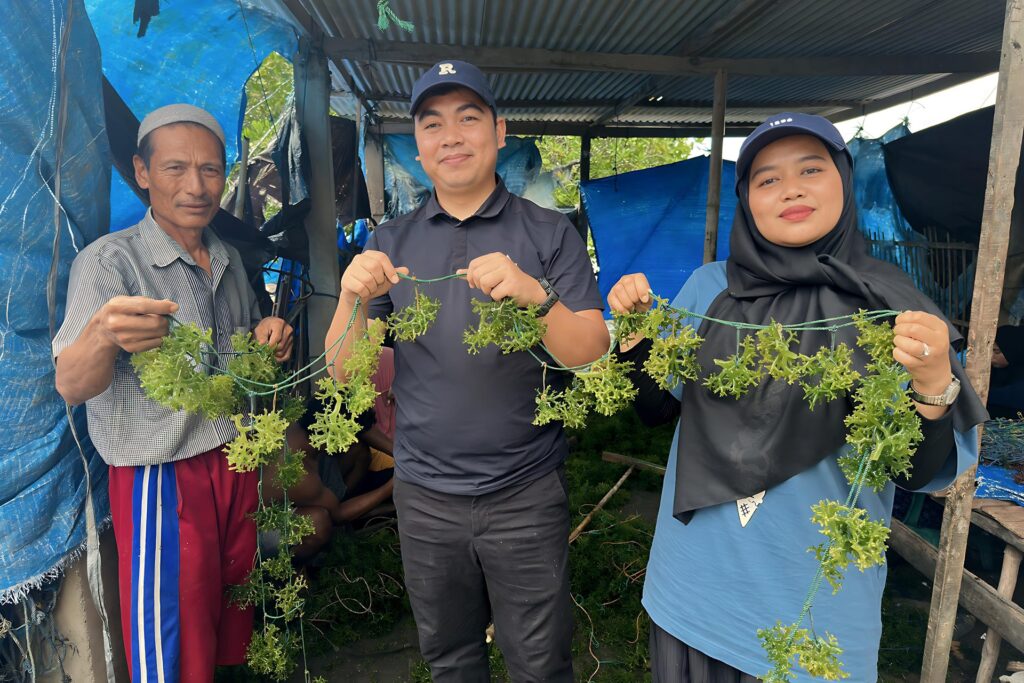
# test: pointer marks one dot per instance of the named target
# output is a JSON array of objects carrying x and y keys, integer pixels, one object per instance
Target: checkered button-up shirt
[{"x": 126, "y": 427}]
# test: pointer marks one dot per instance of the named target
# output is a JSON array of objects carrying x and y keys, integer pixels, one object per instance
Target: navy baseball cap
[
  {"x": 452, "y": 72},
  {"x": 783, "y": 125}
]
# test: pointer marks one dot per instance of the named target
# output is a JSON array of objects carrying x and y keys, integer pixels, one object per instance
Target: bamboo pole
[
  {"x": 608, "y": 496},
  {"x": 1004, "y": 159},
  {"x": 715, "y": 169}
]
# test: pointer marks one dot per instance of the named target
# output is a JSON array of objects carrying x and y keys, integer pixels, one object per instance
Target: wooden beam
[
  {"x": 993, "y": 639},
  {"x": 715, "y": 169},
  {"x": 597, "y": 103},
  {"x": 584, "y": 158},
  {"x": 312, "y": 95},
  {"x": 577, "y": 129},
  {"x": 639, "y": 94},
  {"x": 541, "y": 60},
  {"x": 902, "y": 97},
  {"x": 1004, "y": 159},
  {"x": 978, "y": 598}
]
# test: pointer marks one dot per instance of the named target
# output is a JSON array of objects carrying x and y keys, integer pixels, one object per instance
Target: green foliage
[
  {"x": 290, "y": 469},
  {"x": 884, "y": 425},
  {"x": 281, "y": 517},
  {"x": 272, "y": 653},
  {"x": 608, "y": 156},
  {"x": 739, "y": 372},
  {"x": 253, "y": 361},
  {"x": 335, "y": 427},
  {"x": 257, "y": 440},
  {"x": 414, "y": 320},
  {"x": 786, "y": 644},
  {"x": 268, "y": 93},
  {"x": 607, "y": 382},
  {"x": 603, "y": 387},
  {"x": 174, "y": 374},
  {"x": 778, "y": 360},
  {"x": 852, "y": 537},
  {"x": 506, "y": 325},
  {"x": 569, "y": 406},
  {"x": 834, "y": 372}
]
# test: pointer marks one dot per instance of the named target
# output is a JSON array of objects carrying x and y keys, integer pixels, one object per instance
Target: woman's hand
[
  {"x": 921, "y": 345},
  {"x": 631, "y": 293}
]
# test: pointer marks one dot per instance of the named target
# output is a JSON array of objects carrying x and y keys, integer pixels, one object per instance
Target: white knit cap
[{"x": 179, "y": 113}]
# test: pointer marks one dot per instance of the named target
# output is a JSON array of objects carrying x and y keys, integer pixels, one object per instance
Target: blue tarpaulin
[
  {"x": 652, "y": 222},
  {"x": 196, "y": 51},
  {"x": 406, "y": 183},
  {"x": 42, "y": 474}
]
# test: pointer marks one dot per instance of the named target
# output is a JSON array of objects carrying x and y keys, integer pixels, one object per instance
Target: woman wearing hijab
[{"x": 730, "y": 551}]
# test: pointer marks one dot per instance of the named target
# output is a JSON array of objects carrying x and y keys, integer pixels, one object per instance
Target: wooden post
[
  {"x": 715, "y": 170},
  {"x": 373, "y": 157},
  {"x": 242, "y": 188},
  {"x": 1004, "y": 159},
  {"x": 1007, "y": 583},
  {"x": 312, "y": 102},
  {"x": 584, "y": 158}
]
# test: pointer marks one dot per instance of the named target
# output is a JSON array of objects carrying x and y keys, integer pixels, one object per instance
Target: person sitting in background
[{"x": 1006, "y": 389}]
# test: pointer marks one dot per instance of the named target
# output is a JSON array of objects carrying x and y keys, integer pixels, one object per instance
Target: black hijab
[{"x": 730, "y": 449}]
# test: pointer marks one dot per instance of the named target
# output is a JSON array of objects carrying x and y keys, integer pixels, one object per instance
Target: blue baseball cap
[
  {"x": 452, "y": 72},
  {"x": 783, "y": 125}
]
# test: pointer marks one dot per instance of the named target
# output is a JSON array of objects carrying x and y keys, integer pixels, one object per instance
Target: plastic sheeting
[
  {"x": 997, "y": 483},
  {"x": 42, "y": 474},
  {"x": 196, "y": 51},
  {"x": 652, "y": 222},
  {"x": 406, "y": 184}
]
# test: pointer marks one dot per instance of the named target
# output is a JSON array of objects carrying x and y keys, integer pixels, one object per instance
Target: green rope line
[
  {"x": 292, "y": 380},
  {"x": 432, "y": 280},
  {"x": 819, "y": 576}
]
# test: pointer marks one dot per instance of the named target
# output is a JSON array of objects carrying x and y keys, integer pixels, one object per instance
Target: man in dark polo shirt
[{"x": 482, "y": 508}]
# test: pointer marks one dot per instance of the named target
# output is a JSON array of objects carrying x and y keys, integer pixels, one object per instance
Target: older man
[{"x": 181, "y": 517}]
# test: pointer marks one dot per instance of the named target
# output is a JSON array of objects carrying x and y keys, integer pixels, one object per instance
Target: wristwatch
[
  {"x": 944, "y": 399},
  {"x": 552, "y": 299}
]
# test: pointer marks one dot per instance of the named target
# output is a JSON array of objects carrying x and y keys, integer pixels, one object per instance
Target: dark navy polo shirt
[{"x": 464, "y": 422}]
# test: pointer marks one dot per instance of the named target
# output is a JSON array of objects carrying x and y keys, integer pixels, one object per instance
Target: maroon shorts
[{"x": 184, "y": 536}]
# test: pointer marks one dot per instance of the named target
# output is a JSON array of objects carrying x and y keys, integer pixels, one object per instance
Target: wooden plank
[
  {"x": 1004, "y": 159},
  {"x": 1007, "y": 583},
  {"x": 608, "y": 456},
  {"x": 985, "y": 522},
  {"x": 584, "y": 158},
  {"x": 715, "y": 169},
  {"x": 373, "y": 157},
  {"x": 312, "y": 95},
  {"x": 543, "y": 60},
  {"x": 977, "y": 597}
]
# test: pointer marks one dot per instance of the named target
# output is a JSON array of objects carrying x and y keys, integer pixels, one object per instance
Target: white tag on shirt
[{"x": 746, "y": 507}]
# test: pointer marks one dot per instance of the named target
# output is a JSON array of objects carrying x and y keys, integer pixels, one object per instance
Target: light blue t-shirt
[{"x": 713, "y": 583}]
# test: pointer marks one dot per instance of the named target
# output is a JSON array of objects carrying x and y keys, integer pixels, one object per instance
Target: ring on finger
[{"x": 926, "y": 351}]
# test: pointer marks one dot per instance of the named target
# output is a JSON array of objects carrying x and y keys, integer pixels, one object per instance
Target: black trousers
[
  {"x": 501, "y": 556},
  {"x": 673, "y": 661}
]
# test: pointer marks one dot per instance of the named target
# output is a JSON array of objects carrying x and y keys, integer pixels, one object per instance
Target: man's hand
[
  {"x": 369, "y": 275},
  {"x": 497, "y": 276},
  {"x": 921, "y": 345},
  {"x": 133, "y": 323},
  {"x": 277, "y": 334}
]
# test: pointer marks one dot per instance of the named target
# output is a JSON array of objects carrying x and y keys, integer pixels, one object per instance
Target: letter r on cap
[{"x": 445, "y": 69}]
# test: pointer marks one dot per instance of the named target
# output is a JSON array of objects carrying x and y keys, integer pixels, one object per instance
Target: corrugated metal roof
[{"x": 704, "y": 29}]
